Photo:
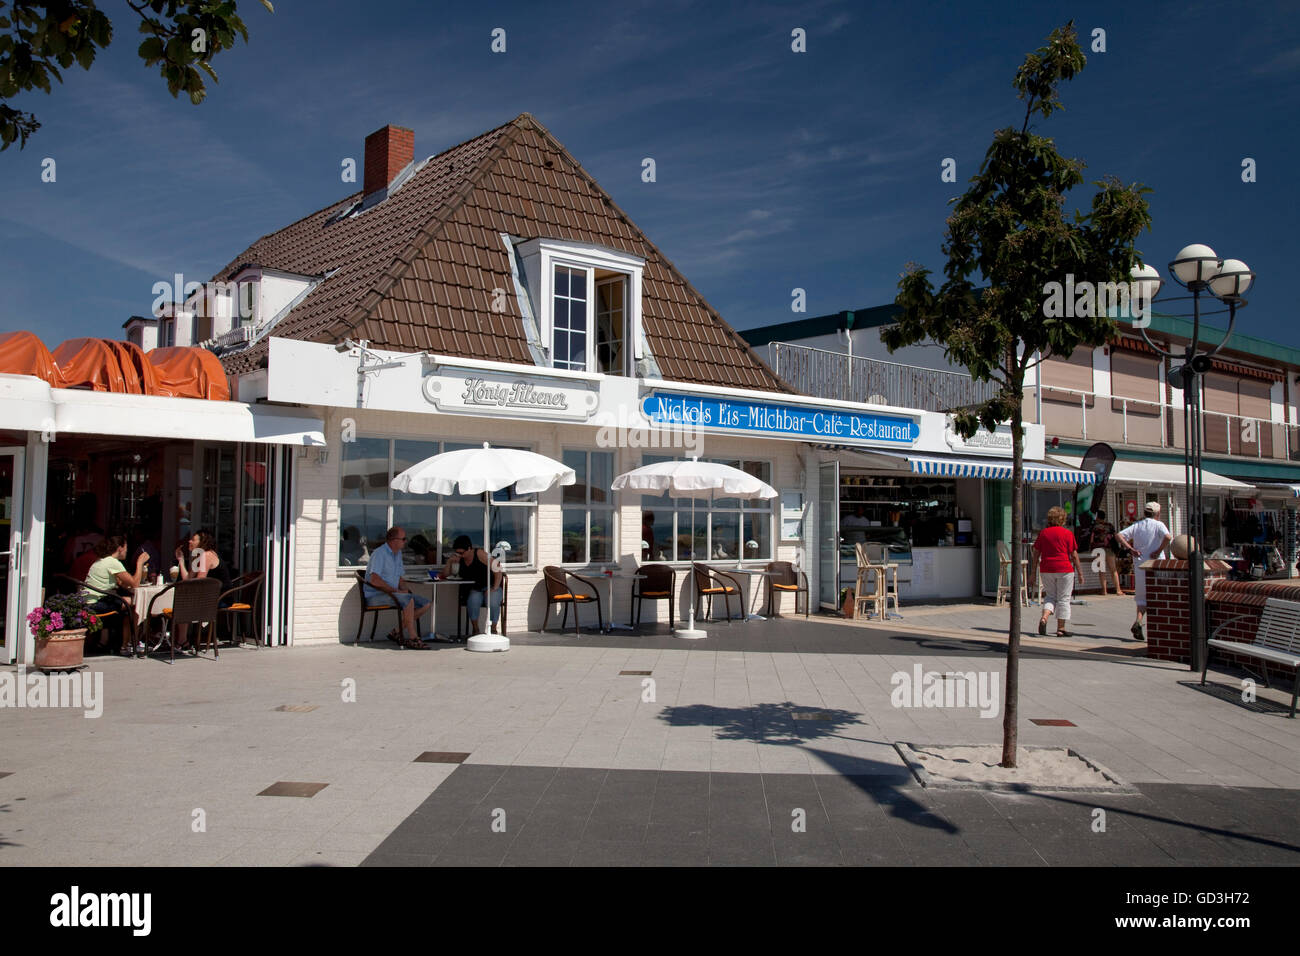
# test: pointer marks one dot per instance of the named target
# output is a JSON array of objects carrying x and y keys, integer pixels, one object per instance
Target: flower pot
[{"x": 61, "y": 650}]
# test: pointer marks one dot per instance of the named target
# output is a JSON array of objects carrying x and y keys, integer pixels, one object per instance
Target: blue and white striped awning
[{"x": 1036, "y": 472}]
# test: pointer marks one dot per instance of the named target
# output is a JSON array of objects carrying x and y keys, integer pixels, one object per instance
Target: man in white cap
[{"x": 1146, "y": 539}]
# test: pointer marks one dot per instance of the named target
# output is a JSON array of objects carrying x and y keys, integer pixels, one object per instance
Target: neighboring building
[{"x": 1120, "y": 393}]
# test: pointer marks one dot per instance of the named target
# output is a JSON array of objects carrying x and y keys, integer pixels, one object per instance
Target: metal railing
[
  {"x": 839, "y": 376},
  {"x": 1073, "y": 413}
]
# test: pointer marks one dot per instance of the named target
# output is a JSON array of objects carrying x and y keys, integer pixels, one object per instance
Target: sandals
[
  {"x": 412, "y": 644},
  {"x": 1063, "y": 633},
  {"x": 1042, "y": 628}
]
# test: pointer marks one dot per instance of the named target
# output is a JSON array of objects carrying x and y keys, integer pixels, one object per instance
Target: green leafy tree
[
  {"x": 38, "y": 40},
  {"x": 1010, "y": 229}
]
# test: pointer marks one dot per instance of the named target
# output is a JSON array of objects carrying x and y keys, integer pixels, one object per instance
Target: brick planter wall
[{"x": 1168, "y": 637}]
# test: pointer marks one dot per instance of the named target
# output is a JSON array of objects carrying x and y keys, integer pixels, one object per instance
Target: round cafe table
[{"x": 144, "y": 594}]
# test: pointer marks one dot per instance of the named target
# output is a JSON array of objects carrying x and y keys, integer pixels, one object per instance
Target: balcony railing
[
  {"x": 838, "y": 376},
  {"x": 1089, "y": 416}
]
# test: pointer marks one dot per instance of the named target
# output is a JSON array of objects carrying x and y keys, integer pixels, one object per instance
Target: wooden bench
[{"x": 1277, "y": 641}]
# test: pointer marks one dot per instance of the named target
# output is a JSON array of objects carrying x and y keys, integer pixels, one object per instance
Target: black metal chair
[
  {"x": 560, "y": 591},
  {"x": 710, "y": 582},
  {"x": 374, "y": 606},
  {"x": 784, "y": 579},
  {"x": 657, "y": 583},
  {"x": 195, "y": 604},
  {"x": 243, "y": 606}
]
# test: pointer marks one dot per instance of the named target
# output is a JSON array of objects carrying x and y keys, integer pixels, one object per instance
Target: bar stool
[
  {"x": 864, "y": 597},
  {"x": 1004, "y": 576}
]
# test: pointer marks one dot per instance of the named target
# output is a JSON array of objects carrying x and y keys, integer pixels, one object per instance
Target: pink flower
[{"x": 56, "y": 619}]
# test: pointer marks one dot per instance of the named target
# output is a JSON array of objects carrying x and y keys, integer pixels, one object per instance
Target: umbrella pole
[{"x": 691, "y": 633}]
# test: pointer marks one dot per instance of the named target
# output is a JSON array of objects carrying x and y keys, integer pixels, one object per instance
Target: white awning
[
  {"x": 1286, "y": 489},
  {"x": 29, "y": 404},
  {"x": 25, "y": 404},
  {"x": 1159, "y": 473},
  {"x": 954, "y": 466}
]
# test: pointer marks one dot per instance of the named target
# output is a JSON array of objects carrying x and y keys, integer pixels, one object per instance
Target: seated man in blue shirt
[{"x": 384, "y": 580}]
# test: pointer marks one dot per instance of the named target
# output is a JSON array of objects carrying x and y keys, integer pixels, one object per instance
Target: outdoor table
[
  {"x": 433, "y": 596},
  {"x": 145, "y": 593},
  {"x": 752, "y": 573},
  {"x": 611, "y": 577}
]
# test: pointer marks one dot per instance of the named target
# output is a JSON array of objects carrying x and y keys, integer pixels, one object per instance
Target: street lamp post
[{"x": 1200, "y": 271}]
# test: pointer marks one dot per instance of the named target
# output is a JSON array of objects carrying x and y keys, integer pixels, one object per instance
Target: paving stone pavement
[
  {"x": 170, "y": 774},
  {"x": 495, "y": 815}
]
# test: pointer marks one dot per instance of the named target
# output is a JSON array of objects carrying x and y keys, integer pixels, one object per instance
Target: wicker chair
[
  {"x": 67, "y": 584},
  {"x": 243, "y": 605},
  {"x": 194, "y": 602},
  {"x": 560, "y": 591},
  {"x": 374, "y": 606},
  {"x": 784, "y": 579},
  {"x": 463, "y": 618},
  {"x": 710, "y": 582},
  {"x": 659, "y": 582}
]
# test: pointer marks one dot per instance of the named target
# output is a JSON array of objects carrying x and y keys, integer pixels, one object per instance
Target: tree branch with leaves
[
  {"x": 1009, "y": 230},
  {"x": 39, "y": 40}
]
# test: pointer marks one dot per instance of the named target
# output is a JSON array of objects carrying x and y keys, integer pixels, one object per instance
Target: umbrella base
[
  {"x": 690, "y": 633},
  {"x": 487, "y": 642}
]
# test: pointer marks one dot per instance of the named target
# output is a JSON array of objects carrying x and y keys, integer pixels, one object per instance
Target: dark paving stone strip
[{"x": 584, "y": 817}]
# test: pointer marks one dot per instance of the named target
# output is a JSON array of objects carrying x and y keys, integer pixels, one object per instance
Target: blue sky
[{"x": 775, "y": 170}]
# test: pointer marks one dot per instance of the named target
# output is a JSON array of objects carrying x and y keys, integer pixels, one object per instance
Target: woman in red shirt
[{"x": 1057, "y": 561}]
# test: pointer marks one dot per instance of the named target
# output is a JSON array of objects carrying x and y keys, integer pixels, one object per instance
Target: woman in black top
[
  {"x": 475, "y": 566},
  {"x": 201, "y": 561}
]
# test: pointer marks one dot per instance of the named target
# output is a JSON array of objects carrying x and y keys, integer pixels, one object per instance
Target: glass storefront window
[
  {"x": 587, "y": 517},
  {"x": 369, "y": 506}
]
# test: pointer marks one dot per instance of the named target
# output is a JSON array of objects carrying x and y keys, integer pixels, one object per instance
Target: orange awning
[
  {"x": 187, "y": 372},
  {"x": 137, "y": 371},
  {"x": 22, "y": 353},
  {"x": 88, "y": 363}
]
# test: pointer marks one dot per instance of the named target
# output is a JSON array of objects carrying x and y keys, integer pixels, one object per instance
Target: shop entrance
[
  {"x": 828, "y": 535},
  {"x": 11, "y": 552}
]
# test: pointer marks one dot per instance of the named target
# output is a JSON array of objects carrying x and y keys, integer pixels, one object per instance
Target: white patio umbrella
[
  {"x": 476, "y": 471},
  {"x": 693, "y": 479}
]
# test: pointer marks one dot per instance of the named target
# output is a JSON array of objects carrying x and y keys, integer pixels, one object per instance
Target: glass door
[
  {"x": 828, "y": 535},
  {"x": 11, "y": 525}
]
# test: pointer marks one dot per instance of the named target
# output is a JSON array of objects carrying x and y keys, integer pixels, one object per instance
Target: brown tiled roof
[{"x": 416, "y": 272}]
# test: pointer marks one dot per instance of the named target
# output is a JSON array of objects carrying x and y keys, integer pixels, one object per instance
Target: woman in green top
[{"x": 109, "y": 574}]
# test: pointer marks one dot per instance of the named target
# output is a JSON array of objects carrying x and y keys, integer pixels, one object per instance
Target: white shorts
[
  {"x": 1140, "y": 587},
  {"x": 1058, "y": 588}
]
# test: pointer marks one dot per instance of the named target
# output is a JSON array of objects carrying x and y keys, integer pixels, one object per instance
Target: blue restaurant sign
[{"x": 792, "y": 421}]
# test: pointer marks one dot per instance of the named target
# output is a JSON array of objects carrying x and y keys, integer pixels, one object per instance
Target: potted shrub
[{"x": 60, "y": 627}]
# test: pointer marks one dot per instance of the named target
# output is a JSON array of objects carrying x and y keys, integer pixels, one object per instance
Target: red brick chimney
[{"x": 388, "y": 150}]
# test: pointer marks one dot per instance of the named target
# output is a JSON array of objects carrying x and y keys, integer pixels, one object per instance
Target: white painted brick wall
[{"x": 326, "y": 606}]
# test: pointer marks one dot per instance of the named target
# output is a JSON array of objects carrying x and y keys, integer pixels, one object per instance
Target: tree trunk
[{"x": 1010, "y": 708}]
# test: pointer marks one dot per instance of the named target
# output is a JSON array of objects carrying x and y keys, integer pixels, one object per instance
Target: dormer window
[
  {"x": 589, "y": 305},
  {"x": 245, "y": 306}
]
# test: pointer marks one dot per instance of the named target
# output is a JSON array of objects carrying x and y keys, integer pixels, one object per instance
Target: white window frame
[
  {"x": 586, "y": 508},
  {"x": 439, "y": 502},
  {"x": 705, "y": 508},
  {"x": 541, "y": 256}
]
